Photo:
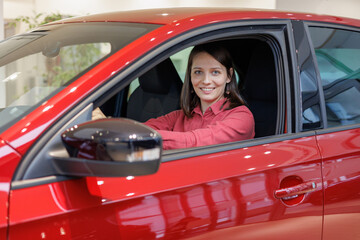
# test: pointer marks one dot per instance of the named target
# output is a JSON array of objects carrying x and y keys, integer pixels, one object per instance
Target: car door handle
[{"x": 294, "y": 191}]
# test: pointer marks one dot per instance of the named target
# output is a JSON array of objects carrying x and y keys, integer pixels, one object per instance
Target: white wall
[
  {"x": 1, "y": 20},
  {"x": 345, "y": 8},
  {"x": 15, "y": 8},
  {"x": 81, "y": 7}
]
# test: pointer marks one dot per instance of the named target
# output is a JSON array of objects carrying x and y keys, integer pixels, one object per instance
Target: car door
[
  {"x": 337, "y": 51},
  {"x": 263, "y": 188},
  {"x": 221, "y": 194}
]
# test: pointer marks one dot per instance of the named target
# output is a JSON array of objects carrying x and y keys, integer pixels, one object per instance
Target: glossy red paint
[
  {"x": 8, "y": 162},
  {"x": 341, "y": 183},
  {"x": 222, "y": 192}
]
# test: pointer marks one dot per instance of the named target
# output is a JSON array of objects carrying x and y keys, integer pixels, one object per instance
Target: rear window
[{"x": 338, "y": 57}]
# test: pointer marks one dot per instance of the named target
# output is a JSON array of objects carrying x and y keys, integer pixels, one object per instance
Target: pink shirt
[{"x": 217, "y": 125}]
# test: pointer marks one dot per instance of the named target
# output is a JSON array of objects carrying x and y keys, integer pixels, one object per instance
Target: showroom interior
[
  {"x": 13, "y": 9},
  {"x": 178, "y": 123}
]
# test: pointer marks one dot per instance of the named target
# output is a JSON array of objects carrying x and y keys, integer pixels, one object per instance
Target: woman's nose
[{"x": 206, "y": 79}]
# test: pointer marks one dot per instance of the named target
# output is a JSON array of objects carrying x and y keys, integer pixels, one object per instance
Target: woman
[{"x": 213, "y": 111}]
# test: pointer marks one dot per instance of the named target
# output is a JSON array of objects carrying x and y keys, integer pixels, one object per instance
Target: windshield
[{"x": 38, "y": 64}]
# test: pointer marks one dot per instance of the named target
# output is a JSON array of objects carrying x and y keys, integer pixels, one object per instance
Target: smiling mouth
[{"x": 207, "y": 89}]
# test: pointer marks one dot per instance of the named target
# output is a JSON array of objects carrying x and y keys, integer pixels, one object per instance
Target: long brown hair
[{"x": 189, "y": 100}]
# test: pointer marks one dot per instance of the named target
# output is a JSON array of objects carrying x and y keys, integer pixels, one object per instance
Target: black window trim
[{"x": 301, "y": 47}]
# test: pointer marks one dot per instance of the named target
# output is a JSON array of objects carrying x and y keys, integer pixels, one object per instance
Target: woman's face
[{"x": 208, "y": 77}]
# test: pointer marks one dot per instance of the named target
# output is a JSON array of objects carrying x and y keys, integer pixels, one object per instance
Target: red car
[{"x": 66, "y": 176}]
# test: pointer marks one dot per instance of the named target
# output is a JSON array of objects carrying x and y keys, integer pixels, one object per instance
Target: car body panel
[
  {"x": 9, "y": 160},
  {"x": 225, "y": 190},
  {"x": 341, "y": 183}
]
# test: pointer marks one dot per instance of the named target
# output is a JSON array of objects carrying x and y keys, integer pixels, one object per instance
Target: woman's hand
[{"x": 97, "y": 114}]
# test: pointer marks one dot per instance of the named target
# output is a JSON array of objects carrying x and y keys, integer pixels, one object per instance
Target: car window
[
  {"x": 259, "y": 81},
  {"x": 338, "y": 57},
  {"x": 36, "y": 65},
  {"x": 157, "y": 91},
  {"x": 180, "y": 61}
]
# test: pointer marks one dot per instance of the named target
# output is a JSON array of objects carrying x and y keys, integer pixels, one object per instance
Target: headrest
[
  {"x": 260, "y": 80},
  {"x": 159, "y": 79}
]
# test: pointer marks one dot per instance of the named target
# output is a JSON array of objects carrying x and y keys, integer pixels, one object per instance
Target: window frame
[
  {"x": 307, "y": 25},
  {"x": 305, "y": 59},
  {"x": 228, "y": 29},
  {"x": 283, "y": 75}
]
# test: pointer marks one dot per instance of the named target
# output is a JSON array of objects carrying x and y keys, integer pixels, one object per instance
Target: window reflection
[{"x": 338, "y": 57}]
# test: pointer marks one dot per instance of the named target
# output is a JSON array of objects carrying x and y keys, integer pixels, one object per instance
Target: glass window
[
  {"x": 36, "y": 65},
  {"x": 180, "y": 61},
  {"x": 338, "y": 57}
]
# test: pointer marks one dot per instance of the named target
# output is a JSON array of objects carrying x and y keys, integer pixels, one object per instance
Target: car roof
[{"x": 168, "y": 16}]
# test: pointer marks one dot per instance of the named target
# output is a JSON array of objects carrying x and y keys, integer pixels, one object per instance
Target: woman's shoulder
[{"x": 243, "y": 109}]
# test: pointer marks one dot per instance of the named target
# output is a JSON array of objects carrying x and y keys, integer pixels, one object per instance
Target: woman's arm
[
  {"x": 237, "y": 125},
  {"x": 165, "y": 122}
]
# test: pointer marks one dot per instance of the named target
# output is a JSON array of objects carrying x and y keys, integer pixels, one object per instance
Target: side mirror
[{"x": 110, "y": 148}]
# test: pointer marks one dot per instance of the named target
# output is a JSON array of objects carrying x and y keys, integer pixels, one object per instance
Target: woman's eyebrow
[{"x": 197, "y": 67}]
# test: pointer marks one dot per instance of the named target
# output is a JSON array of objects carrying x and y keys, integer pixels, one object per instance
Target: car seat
[
  {"x": 158, "y": 93},
  {"x": 260, "y": 89}
]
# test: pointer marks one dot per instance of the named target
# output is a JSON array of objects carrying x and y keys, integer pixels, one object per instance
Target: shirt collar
[{"x": 216, "y": 108}]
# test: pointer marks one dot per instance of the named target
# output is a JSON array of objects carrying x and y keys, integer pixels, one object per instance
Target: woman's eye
[
  {"x": 197, "y": 72},
  {"x": 215, "y": 72}
]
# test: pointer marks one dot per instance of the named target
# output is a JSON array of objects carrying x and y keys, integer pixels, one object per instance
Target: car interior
[{"x": 157, "y": 92}]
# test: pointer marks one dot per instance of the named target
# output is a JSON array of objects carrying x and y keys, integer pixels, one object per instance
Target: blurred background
[{"x": 19, "y": 15}]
